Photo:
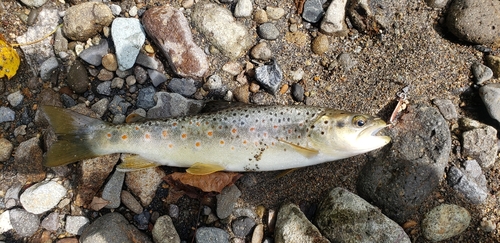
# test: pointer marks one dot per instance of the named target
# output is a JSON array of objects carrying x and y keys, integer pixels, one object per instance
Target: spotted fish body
[{"x": 254, "y": 138}]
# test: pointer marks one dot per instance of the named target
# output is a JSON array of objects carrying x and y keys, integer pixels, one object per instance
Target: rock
[
  {"x": 147, "y": 61},
  {"x": 488, "y": 225},
  {"x": 475, "y": 21},
  {"x": 6, "y": 114},
  {"x": 297, "y": 92},
  {"x": 42, "y": 197},
  {"x": 490, "y": 94},
  {"x": 164, "y": 231},
  {"x": 183, "y": 86},
  {"x": 51, "y": 222},
  {"x": 83, "y": 21},
  {"x": 261, "y": 52},
  {"x": 67, "y": 101},
  {"x": 320, "y": 44},
  {"x": 269, "y": 76},
  {"x": 293, "y": 226},
  {"x": 268, "y": 31},
  {"x": 243, "y": 8},
  {"x": 112, "y": 227},
  {"x": 48, "y": 67},
  {"x": 94, "y": 54},
  {"x": 145, "y": 98},
  {"x": 143, "y": 183},
  {"x": 241, "y": 94},
  {"x": 346, "y": 61},
  {"x": 5, "y": 224},
  {"x": 77, "y": 78},
  {"x": 211, "y": 234},
  {"x": 313, "y": 11},
  {"x": 222, "y": 30},
  {"x": 130, "y": 202},
  {"x": 444, "y": 222},
  {"x": 334, "y": 21},
  {"x": 260, "y": 16},
  {"x": 374, "y": 15},
  {"x": 117, "y": 83},
  {"x": 128, "y": 37},
  {"x": 233, "y": 68},
  {"x": 446, "y": 108},
  {"x": 493, "y": 62},
  {"x": 91, "y": 175},
  {"x": 156, "y": 77},
  {"x": 28, "y": 161},
  {"x": 141, "y": 75},
  {"x": 100, "y": 107},
  {"x": 76, "y": 224},
  {"x": 345, "y": 217},
  {"x": 258, "y": 234},
  {"x": 173, "y": 105},
  {"x": 437, "y": 3},
  {"x": 119, "y": 119},
  {"x": 481, "y": 144},
  {"x": 24, "y": 223},
  {"x": 60, "y": 42},
  {"x": 15, "y": 98},
  {"x": 226, "y": 201},
  {"x": 275, "y": 13},
  {"x": 481, "y": 72},
  {"x": 34, "y": 3},
  {"x": 170, "y": 30},
  {"x": 242, "y": 226},
  {"x": 118, "y": 105},
  {"x": 6, "y": 148},
  {"x": 420, "y": 147},
  {"x": 472, "y": 186},
  {"x": 173, "y": 211},
  {"x": 112, "y": 189},
  {"x": 104, "y": 88}
]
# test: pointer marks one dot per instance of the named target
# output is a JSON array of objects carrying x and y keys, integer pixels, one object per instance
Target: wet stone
[
  {"x": 128, "y": 37},
  {"x": 94, "y": 54},
  {"x": 242, "y": 226},
  {"x": 130, "y": 202},
  {"x": 298, "y": 92},
  {"x": 269, "y": 76},
  {"x": 173, "y": 211},
  {"x": 6, "y": 148},
  {"x": 77, "y": 77},
  {"x": 183, "y": 86},
  {"x": 6, "y": 114},
  {"x": 109, "y": 62},
  {"x": 100, "y": 107},
  {"x": 146, "y": 61},
  {"x": 15, "y": 98},
  {"x": 141, "y": 75},
  {"x": 48, "y": 67},
  {"x": 67, "y": 101},
  {"x": 142, "y": 220},
  {"x": 105, "y": 75},
  {"x": 226, "y": 201},
  {"x": 156, "y": 77},
  {"x": 268, "y": 31}
]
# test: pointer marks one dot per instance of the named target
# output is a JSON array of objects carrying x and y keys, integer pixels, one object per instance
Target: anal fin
[
  {"x": 203, "y": 169},
  {"x": 131, "y": 162},
  {"x": 307, "y": 152}
]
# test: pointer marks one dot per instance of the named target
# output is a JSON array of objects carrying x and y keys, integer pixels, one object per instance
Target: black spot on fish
[{"x": 340, "y": 124}]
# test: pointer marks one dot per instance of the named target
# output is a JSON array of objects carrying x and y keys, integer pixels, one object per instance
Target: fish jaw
[{"x": 368, "y": 138}]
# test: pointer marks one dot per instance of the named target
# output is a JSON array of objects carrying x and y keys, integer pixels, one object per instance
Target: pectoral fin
[
  {"x": 134, "y": 162},
  {"x": 203, "y": 169},
  {"x": 307, "y": 152}
]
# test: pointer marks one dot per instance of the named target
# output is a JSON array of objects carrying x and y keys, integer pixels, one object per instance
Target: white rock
[
  {"x": 42, "y": 197},
  {"x": 5, "y": 224},
  {"x": 243, "y": 8},
  {"x": 490, "y": 94},
  {"x": 333, "y": 22},
  {"x": 15, "y": 98},
  {"x": 76, "y": 224},
  {"x": 128, "y": 36}
]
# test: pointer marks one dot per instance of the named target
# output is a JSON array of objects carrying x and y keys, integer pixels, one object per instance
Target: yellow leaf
[{"x": 9, "y": 59}]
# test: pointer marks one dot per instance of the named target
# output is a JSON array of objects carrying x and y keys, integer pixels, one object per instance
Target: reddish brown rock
[{"x": 170, "y": 30}]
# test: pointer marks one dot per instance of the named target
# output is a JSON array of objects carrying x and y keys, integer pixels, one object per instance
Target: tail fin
[{"x": 73, "y": 131}]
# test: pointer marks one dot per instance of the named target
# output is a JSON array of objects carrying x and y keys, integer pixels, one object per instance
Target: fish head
[{"x": 344, "y": 134}]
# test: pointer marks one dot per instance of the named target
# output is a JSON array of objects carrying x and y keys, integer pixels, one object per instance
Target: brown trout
[{"x": 251, "y": 138}]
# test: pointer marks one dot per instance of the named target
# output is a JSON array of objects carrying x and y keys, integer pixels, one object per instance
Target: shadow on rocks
[{"x": 403, "y": 174}]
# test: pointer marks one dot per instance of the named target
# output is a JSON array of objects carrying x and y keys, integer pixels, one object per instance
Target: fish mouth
[{"x": 373, "y": 130}]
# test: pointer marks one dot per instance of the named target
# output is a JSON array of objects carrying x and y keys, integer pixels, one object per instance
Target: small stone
[
  {"x": 488, "y": 226},
  {"x": 156, "y": 77},
  {"x": 164, "y": 231},
  {"x": 243, "y": 8},
  {"x": 320, "y": 44},
  {"x": 187, "y": 3},
  {"x": 6, "y": 148},
  {"x": 109, "y": 62},
  {"x": 313, "y": 11},
  {"x": 241, "y": 94},
  {"x": 105, "y": 75},
  {"x": 145, "y": 99},
  {"x": 226, "y": 201},
  {"x": 173, "y": 105},
  {"x": 258, "y": 234},
  {"x": 28, "y": 162},
  {"x": 85, "y": 20},
  {"x": 490, "y": 94},
  {"x": 130, "y": 202},
  {"x": 481, "y": 144},
  {"x": 128, "y": 37},
  {"x": 261, "y": 52},
  {"x": 242, "y": 226},
  {"x": 260, "y": 16},
  {"x": 42, "y": 197},
  {"x": 25, "y": 224},
  {"x": 142, "y": 220},
  {"x": 146, "y": 61},
  {"x": 115, "y": 9},
  {"x": 269, "y": 76},
  {"x": 481, "y": 72},
  {"x": 112, "y": 189},
  {"x": 437, "y": 3},
  {"x": 211, "y": 234},
  {"x": 100, "y": 107},
  {"x": 48, "y": 67},
  {"x": 132, "y": 11},
  {"x": 445, "y": 221},
  {"x": 104, "y": 88},
  {"x": 77, "y": 78},
  {"x": 232, "y": 68},
  {"x": 130, "y": 80},
  {"x": 268, "y": 31},
  {"x": 67, "y": 101},
  {"x": 15, "y": 98},
  {"x": 143, "y": 183},
  {"x": 51, "y": 222},
  {"x": 275, "y": 13},
  {"x": 297, "y": 75},
  {"x": 298, "y": 92},
  {"x": 5, "y": 224},
  {"x": 446, "y": 108},
  {"x": 346, "y": 61},
  {"x": 94, "y": 54},
  {"x": 6, "y": 114},
  {"x": 333, "y": 22},
  {"x": 76, "y": 224},
  {"x": 214, "y": 82},
  {"x": 493, "y": 62},
  {"x": 60, "y": 43},
  {"x": 471, "y": 187},
  {"x": 119, "y": 119},
  {"x": 112, "y": 227},
  {"x": 173, "y": 211},
  {"x": 117, "y": 83},
  {"x": 125, "y": 73},
  {"x": 185, "y": 86},
  {"x": 293, "y": 226}
]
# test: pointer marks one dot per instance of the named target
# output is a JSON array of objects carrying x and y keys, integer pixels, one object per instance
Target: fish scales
[{"x": 253, "y": 138}]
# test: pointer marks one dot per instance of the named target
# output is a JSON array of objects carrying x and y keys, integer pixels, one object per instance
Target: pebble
[
  {"x": 226, "y": 201},
  {"x": 6, "y": 148},
  {"x": 490, "y": 94},
  {"x": 115, "y": 9},
  {"x": 488, "y": 226},
  {"x": 51, "y": 222},
  {"x": 119, "y": 119},
  {"x": 67, "y": 101},
  {"x": 493, "y": 62},
  {"x": 293, "y": 226},
  {"x": 15, "y": 98},
  {"x": 320, "y": 44},
  {"x": 143, "y": 183},
  {"x": 105, "y": 75},
  {"x": 333, "y": 22},
  {"x": 297, "y": 92},
  {"x": 242, "y": 226},
  {"x": 446, "y": 108},
  {"x": 6, "y": 114},
  {"x": 268, "y": 31},
  {"x": 445, "y": 221},
  {"x": 118, "y": 105},
  {"x": 173, "y": 105},
  {"x": 171, "y": 31},
  {"x": 313, "y": 11},
  {"x": 365, "y": 223},
  {"x": 132, "y": 11},
  {"x": 258, "y": 234},
  {"x": 60, "y": 43},
  {"x": 260, "y": 16},
  {"x": 128, "y": 37},
  {"x": 346, "y": 61},
  {"x": 437, "y": 3},
  {"x": 211, "y": 234},
  {"x": 142, "y": 220},
  {"x": 243, "y": 9},
  {"x": 173, "y": 211},
  {"x": 112, "y": 227},
  {"x": 20, "y": 130},
  {"x": 222, "y": 30},
  {"x": 481, "y": 72},
  {"x": 146, "y": 61},
  {"x": 241, "y": 94},
  {"x": 94, "y": 54},
  {"x": 130, "y": 80},
  {"x": 213, "y": 82},
  {"x": 78, "y": 78},
  {"x": 156, "y": 77},
  {"x": 261, "y": 52},
  {"x": 109, "y": 62},
  {"x": 474, "y": 21},
  {"x": 124, "y": 74},
  {"x": 233, "y": 68},
  {"x": 48, "y": 67},
  {"x": 100, "y": 107},
  {"x": 297, "y": 75},
  {"x": 76, "y": 224},
  {"x": 112, "y": 189},
  {"x": 164, "y": 231},
  {"x": 5, "y": 224},
  {"x": 141, "y": 75},
  {"x": 117, "y": 83},
  {"x": 25, "y": 224},
  {"x": 183, "y": 86},
  {"x": 481, "y": 144},
  {"x": 130, "y": 202},
  {"x": 85, "y": 20},
  {"x": 42, "y": 197},
  {"x": 473, "y": 187},
  {"x": 34, "y": 3},
  {"x": 269, "y": 76},
  {"x": 28, "y": 161},
  {"x": 275, "y": 13},
  {"x": 104, "y": 88},
  {"x": 145, "y": 98}
]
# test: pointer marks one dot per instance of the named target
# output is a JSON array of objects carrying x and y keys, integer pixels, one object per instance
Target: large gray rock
[
  {"x": 333, "y": 22},
  {"x": 42, "y": 197},
  {"x": 345, "y": 217},
  {"x": 292, "y": 226},
  {"x": 128, "y": 37},
  {"x": 490, "y": 94},
  {"x": 112, "y": 227},
  {"x": 475, "y": 21},
  {"x": 445, "y": 221},
  {"x": 85, "y": 20},
  {"x": 403, "y": 174},
  {"x": 480, "y": 143}
]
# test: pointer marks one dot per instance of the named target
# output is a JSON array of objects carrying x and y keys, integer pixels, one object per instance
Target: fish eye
[{"x": 359, "y": 121}]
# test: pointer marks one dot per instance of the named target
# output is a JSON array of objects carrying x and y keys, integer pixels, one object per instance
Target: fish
[{"x": 239, "y": 139}]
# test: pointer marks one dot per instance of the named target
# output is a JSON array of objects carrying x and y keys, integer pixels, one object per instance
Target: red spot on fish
[
  {"x": 190, "y": 122},
  {"x": 232, "y": 148},
  {"x": 174, "y": 124},
  {"x": 108, "y": 135},
  {"x": 289, "y": 131},
  {"x": 252, "y": 129},
  {"x": 275, "y": 127},
  {"x": 222, "y": 142},
  {"x": 220, "y": 127},
  {"x": 147, "y": 136},
  {"x": 124, "y": 137},
  {"x": 170, "y": 145},
  {"x": 210, "y": 133},
  {"x": 164, "y": 133},
  {"x": 256, "y": 143},
  {"x": 245, "y": 142},
  {"x": 234, "y": 130},
  {"x": 184, "y": 136},
  {"x": 197, "y": 144},
  {"x": 301, "y": 124},
  {"x": 136, "y": 128},
  {"x": 265, "y": 134},
  {"x": 272, "y": 143}
]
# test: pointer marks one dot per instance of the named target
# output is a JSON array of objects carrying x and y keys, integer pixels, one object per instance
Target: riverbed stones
[
  {"x": 83, "y": 21},
  {"x": 445, "y": 221},
  {"x": 128, "y": 37}
]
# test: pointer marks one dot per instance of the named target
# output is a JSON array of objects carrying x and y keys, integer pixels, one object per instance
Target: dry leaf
[
  {"x": 9, "y": 59},
  {"x": 98, "y": 203}
]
